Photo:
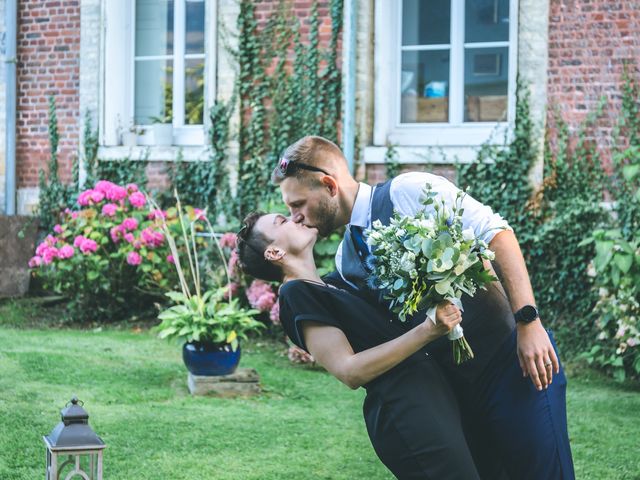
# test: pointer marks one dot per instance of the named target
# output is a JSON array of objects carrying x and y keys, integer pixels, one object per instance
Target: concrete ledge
[
  {"x": 244, "y": 382},
  {"x": 15, "y": 252}
]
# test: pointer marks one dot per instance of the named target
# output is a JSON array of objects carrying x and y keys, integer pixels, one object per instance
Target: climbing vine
[{"x": 287, "y": 88}]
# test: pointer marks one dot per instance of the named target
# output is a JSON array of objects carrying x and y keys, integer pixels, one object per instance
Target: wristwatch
[{"x": 526, "y": 314}]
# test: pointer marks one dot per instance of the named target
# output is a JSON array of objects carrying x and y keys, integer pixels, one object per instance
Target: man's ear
[
  {"x": 273, "y": 253},
  {"x": 330, "y": 184}
]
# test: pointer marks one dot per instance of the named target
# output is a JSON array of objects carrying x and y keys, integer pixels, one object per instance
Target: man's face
[{"x": 313, "y": 207}]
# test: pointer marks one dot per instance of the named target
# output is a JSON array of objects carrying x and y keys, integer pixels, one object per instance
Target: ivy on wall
[
  {"x": 552, "y": 222},
  {"x": 282, "y": 97}
]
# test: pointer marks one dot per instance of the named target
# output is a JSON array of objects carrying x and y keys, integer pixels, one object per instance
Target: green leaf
[
  {"x": 398, "y": 284},
  {"x": 623, "y": 262},
  {"x": 630, "y": 171}
]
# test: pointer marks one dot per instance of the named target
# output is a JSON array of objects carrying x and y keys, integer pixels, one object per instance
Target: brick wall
[
  {"x": 48, "y": 64},
  {"x": 589, "y": 41}
]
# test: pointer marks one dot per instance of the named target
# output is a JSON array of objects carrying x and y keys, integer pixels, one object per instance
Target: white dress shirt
[{"x": 406, "y": 193}]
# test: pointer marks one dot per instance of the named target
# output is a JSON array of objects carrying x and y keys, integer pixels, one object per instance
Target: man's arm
[{"x": 534, "y": 347}]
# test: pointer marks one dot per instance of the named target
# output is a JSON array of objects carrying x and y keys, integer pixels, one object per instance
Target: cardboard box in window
[
  {"x": 424, "y": 110},
  {"x": 487, "y": 108}
]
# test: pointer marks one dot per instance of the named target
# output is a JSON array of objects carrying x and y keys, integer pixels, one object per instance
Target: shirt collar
[{"x": 360, "y": 212}]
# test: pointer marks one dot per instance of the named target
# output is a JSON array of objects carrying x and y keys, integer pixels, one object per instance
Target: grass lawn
[{"x": 305, "y": 425}]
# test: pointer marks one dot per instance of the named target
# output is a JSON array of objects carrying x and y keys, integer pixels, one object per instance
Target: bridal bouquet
[{"x": 424, "y": 260}]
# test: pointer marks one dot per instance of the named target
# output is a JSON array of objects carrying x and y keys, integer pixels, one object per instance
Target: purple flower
[
  {"x": 57, "y": 228},
  {"x": 129, "y": 237}
]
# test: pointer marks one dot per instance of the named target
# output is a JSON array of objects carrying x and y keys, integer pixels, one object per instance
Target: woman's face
[{"x": 293, "y": 238}]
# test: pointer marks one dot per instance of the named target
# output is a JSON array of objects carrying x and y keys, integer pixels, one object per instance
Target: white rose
[{"x": 468, "y": 234}]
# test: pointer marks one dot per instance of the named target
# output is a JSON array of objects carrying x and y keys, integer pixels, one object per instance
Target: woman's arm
[{"x": 331, "y": 349}]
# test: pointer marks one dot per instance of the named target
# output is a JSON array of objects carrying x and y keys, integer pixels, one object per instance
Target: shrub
[{"x": 109, "y": 258}]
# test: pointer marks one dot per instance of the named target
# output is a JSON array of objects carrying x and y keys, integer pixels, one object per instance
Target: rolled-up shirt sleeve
[{"x": 406, "y": 194}]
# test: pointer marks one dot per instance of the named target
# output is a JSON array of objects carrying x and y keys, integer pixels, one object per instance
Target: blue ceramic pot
[{"x": 208, "y": 359}]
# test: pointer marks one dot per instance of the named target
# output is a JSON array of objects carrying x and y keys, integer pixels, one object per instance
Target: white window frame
[
  {"x": 455, "y": 133},
  {"x": 118, "y": 82}
]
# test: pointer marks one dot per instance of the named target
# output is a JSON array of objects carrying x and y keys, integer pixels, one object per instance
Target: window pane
[
  {"x": 194, "y": 91},
  {"x": 154, "y": 27},
  {"x": 426, "y": 22},
  {"x": 486, "y": 84},
  {"x": 195, "y": 26},
  {"x": 153, "y": 91},
  {"x": 424, "y": 86},
  {"x": 486, "y": 21}
]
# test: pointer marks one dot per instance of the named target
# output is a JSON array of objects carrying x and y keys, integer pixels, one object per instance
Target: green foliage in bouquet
[{"x": 427, "y": 259}]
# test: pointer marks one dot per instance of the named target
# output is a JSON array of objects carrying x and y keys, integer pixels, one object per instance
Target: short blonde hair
[{"x": 311, "y": 151}]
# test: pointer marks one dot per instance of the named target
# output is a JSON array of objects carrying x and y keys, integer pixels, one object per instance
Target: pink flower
[
  {"x": 152, "y": 238},
  {"x": 96, "y": 196},
  {"x": 137, "y": 199},
  {"x": 57, "y": 229},
  {"x": 157, "y": 215},
  {"x": 88, "y": 246},
  {"x": 129, "y": 237},
  {"x": 632, "y": 342},
  {"x": 233, "y": 262},
  {"x": 131, "y": 187},
  {"x": 170, "y": 259},
  {"x": 117, "y": 193},
  {"x": 109, "y": 210},
  {"x": 66, "y": 251},
  {"x": 78, "y": 241},
  {"x": 49, "y": 255},
  {"x": 232, "y": 289},
  {"x": 74, "y": 215},
  {"x": 199, "y": 214},
  {"x": 84, "y": 198},
  {"x": 228, "y": 240},
  {"x": 261, "y": 295},
  {"x": 116, "y": 233},
  {"x": 35, "y": 261},
  {"x": 130, "y": 223},
  {"x": 43, "y": 247},
  {"x": 274, "y": 314},
  {"x": 134, "y": 258}
]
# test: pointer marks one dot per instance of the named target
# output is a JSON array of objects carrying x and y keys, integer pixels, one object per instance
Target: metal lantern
[{"x": 73, "y": 443}]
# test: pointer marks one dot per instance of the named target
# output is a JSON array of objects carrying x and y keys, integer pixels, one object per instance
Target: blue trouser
[{"x": 513, "y": 430}]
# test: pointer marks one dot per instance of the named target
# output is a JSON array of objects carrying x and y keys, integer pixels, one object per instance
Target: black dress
[{"x": 412, "y": 441}]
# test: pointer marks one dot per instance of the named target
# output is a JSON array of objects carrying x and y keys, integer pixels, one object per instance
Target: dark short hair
[
  {"x": 251, "y": 245},
  {"x": 305, "y": 151}
]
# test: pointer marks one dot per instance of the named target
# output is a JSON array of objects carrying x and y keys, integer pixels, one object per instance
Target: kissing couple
[{"x": 500, "y": 415}]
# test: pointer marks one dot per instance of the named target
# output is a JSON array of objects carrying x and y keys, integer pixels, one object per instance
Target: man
[{"x": 515, "y": 428}]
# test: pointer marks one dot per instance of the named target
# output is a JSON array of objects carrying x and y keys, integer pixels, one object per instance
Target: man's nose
[{"x": 297, "y": 217}]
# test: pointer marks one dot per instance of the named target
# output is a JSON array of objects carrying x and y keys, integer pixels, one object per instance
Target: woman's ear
[
  {"x": 273, "y": 253},
  {"x": 330, "y": 184}
]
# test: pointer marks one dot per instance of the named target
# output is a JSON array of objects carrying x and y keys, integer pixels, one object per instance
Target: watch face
[{"x": 528, "y": 313}]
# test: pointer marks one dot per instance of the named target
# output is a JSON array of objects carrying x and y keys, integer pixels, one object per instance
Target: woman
[{"x": 357, "y": 343}]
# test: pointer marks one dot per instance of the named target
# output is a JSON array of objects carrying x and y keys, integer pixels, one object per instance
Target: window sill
[
  {"x": 152, "y": 153},
  {"x": 442, "y": 155}
]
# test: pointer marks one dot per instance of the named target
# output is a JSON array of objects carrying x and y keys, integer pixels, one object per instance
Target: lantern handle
[{"x": 74, "y": 400}]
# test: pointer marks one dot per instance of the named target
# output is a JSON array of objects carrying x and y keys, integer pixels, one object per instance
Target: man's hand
[{"x": 536, "y": 354}]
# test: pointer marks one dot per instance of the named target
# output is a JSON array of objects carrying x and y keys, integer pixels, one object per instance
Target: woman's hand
[{"x": 447, "y": 317}]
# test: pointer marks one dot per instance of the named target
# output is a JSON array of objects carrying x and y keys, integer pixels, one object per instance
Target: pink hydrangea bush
[{"x": 109, "y": 256}]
